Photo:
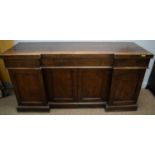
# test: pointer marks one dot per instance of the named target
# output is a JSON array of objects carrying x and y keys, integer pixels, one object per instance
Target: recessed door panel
[
  {"x": 60, "y": 84},
  {"x": 28, "y": 85},
  {"x": 126, "y": 84},
  {"x": 94, "y": 84}
]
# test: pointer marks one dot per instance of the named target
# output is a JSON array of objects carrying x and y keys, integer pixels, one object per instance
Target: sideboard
[{"x": 76, "y": 74}]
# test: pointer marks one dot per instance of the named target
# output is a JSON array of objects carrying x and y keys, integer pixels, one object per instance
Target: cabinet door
[
  {"x": 94, "y": 84},
  {"x": 60, "y": 84},
  {"x": 28, "y": 85},
  {"x": 126, "y": 85}
]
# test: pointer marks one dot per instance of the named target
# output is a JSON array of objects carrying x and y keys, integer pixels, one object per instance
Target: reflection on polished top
[{"x": 38, "y": 48}]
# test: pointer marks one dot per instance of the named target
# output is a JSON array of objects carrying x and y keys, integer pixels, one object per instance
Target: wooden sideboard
[{"x": 77, "y": 74}]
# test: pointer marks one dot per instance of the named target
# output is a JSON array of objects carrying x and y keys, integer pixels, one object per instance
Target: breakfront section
[
  {"x": 26, "y": 76},
  {"x": 77, "y": 80},
  {"x": 127, "y": 77}
]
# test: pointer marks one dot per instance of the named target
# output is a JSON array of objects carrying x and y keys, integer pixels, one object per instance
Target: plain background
[{"x": 77, "y": 20}]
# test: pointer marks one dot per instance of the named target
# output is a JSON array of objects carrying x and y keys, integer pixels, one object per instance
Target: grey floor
[{"x": 146, "y": 105}]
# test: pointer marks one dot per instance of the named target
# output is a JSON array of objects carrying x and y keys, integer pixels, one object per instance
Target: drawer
[
  {"x": 77, "y": 62},
  {"x": 17, "y": 63},
  {"x": 131, "y": 62}
]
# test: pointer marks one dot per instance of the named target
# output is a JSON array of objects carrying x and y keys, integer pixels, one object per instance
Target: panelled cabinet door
[
  {"x": 126, "y": 85},
  {"x": 93, "y": 84},
  {"x": 60, "y": 84},
  {"x": 29, "y": 87}
]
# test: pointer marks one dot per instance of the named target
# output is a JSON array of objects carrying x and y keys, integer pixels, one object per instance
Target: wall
[
  {"x": 150, "y": 46},
  {"x": 4, "y": 45}
]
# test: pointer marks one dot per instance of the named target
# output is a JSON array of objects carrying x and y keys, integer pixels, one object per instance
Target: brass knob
[{"x": 143, "y": 55}]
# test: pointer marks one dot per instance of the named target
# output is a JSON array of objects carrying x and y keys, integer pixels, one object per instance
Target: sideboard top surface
[{"x": 40, "y": 48}]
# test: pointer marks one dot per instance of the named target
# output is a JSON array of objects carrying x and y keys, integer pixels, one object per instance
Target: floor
[{"x": 146, "y": 104}]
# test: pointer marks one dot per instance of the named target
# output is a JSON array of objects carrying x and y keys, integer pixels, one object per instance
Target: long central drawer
[{"x": 78, "y": 60}]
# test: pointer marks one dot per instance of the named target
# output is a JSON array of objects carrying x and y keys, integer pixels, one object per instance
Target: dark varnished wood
[
  {"x": 78, "y": 74},
  {"x": 77, "y": 104},
  {"x": 131, "y": 62},
  {"x": 77, "y": 62},
  {"x": 93, "y": 84},
  {"x": 34, "y": 49},
  {"x": 29, "y": 87},
  {"x": 60, "y": 84},
  {"x": 125, "y": 86},
  {"x": 17, "y": 63}
]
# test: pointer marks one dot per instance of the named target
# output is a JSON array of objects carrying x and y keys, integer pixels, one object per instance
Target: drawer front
[
  {"x": 131, "y": 62},
  {"x": 77, "y": 62},
  {"x": 17, "y": 63}
]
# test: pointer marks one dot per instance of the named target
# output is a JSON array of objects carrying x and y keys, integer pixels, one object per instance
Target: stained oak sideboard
[{"x": 77, "y": 74}]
